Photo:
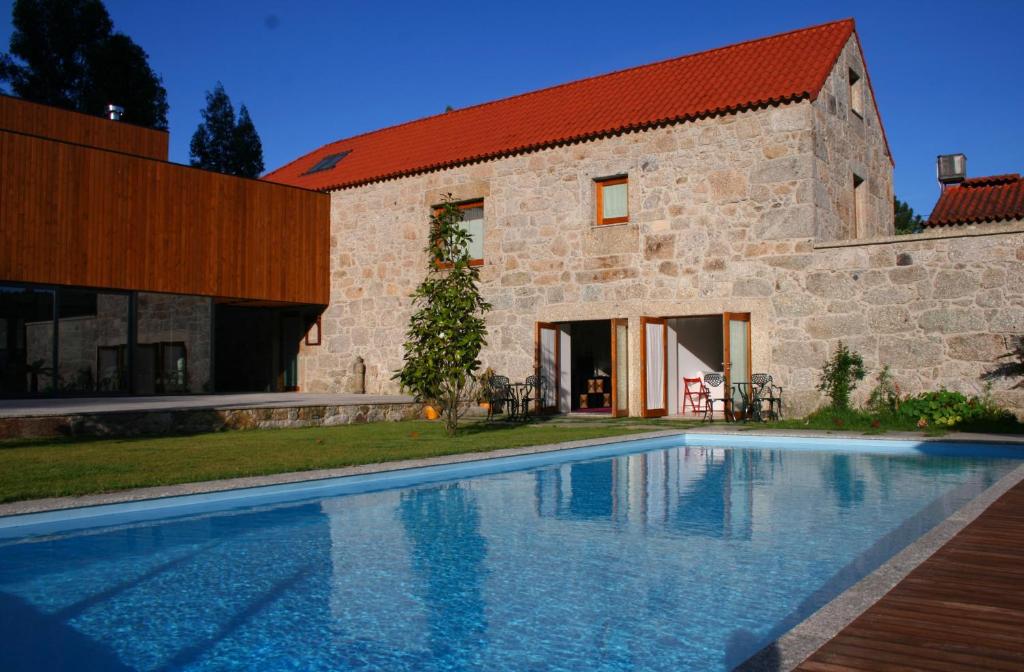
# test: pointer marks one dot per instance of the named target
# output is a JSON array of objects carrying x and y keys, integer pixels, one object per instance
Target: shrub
[
  {"x": 840, "y": 375},
  {"x": 948, "y": 409},
  {"x": 885, "y": 397}
]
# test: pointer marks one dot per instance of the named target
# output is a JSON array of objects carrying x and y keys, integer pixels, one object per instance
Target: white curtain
[
  {"x": 547, "y": 366},
  {"x": 613, "y": 201},
  {"x": 655, "y": 344},
  {"x": 473, "y": 224}
]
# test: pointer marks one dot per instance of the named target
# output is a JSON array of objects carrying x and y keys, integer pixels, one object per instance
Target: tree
[
  {"x": 222, "y": 142},
  {"x": 447, "y": 330},
  {"x": 907, "y": 221},
  {"x": 840, "y": 376},
  {"x": 66, "y": 53}
]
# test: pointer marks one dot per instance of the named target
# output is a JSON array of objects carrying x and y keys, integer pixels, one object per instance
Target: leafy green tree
[
  {"x": 222, "y": 142},
  {"x": 907, "y": 221},
  {"x": 840, "y": 375},
  {"x": 66, "y": 53},
  {"x": 447, "y": 330}
]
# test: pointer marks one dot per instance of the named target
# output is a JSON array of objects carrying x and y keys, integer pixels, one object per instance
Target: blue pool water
[{"x": 678, "y": 557}]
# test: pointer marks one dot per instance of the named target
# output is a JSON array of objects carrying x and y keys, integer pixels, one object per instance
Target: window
[
  {"x": 612, "y": 200},
  {"x": 859, "y": 207},
  {"x": 328, "y": 162},
  {"x": 473, "y": 224},
  {"x": 856, "y": 94}
]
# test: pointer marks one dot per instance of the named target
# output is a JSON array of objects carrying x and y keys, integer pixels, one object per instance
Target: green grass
[{"x": 37, "y": 468}]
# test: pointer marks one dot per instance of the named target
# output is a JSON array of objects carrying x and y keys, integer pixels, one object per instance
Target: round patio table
[{"x": 518, "y": 391}]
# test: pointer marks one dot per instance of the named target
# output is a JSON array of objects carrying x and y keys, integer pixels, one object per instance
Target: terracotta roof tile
[
  {"x": 980, "y": 199},
  {"x": 770, "y": 70}
]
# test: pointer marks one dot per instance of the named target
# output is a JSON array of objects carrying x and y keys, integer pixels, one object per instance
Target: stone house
[{"x": 729, "y": 210}]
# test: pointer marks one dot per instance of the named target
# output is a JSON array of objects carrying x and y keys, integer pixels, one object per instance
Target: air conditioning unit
[{"x": 952, "y": 168}]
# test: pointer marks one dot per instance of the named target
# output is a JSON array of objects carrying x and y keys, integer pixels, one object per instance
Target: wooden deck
[{"x": 962, "y": 609}]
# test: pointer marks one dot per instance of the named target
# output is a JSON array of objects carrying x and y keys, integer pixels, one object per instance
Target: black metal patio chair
[
  {"x": 499, "y": 396},
  {"x": 770, "y": 394},
  {"x": 715, "y": 380}
]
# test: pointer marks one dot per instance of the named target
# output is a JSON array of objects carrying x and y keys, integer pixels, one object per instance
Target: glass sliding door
[
  {"x": 620, "y": 367},
  {"x": 92, "y": 337},
  {"x": 736, "y": 339},
  {"x": 173, "y": 344},
  {"x": 547, "y": 365},
  {"x": 654, "y": 367}
]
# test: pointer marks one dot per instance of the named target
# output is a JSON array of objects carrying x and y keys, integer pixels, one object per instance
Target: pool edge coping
[
  {"x": 50, "y": 504},
  {"x": 800, "y": 642}
]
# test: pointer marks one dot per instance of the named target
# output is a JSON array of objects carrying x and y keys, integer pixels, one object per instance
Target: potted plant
[{"x": 483, "y": 396}]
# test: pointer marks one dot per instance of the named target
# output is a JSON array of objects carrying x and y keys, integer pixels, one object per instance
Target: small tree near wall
[
  {"x": 447, "y": 330},
  {"x": 840, "y": 376}
]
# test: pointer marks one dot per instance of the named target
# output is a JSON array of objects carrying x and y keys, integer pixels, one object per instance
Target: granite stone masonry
[{"x": 753, "y": 212}]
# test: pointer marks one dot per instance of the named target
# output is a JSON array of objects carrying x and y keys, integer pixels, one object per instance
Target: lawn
[{"x": 31, "y": 469}]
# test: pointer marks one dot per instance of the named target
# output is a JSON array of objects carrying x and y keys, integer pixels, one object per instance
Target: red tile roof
[
  {"x": 770, "y": 70},
  {"x": 980, "y": 199}
]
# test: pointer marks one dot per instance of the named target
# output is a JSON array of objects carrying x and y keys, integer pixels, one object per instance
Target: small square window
[
  {"x": 856, "y": 94},
  {"x": 473, "y": 224},
  {"x": 612, "y": 200}
]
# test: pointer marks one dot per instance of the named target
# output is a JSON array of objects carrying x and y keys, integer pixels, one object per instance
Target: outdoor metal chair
[
  {"x": 769, "y": 393},
  {"x": 715, "y": 380},
  {"x": 534, "y": 392},
  {"x": 499, "y": 396}
]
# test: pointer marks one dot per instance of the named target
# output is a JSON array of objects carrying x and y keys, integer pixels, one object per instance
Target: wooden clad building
[{"x": 121, "y": 272}]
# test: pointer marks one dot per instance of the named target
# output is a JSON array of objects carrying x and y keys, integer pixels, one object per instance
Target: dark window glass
[{"x": 26, "y": 341}]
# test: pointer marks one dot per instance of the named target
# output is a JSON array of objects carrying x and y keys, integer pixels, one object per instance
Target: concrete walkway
[{"x": 24, "y": 408}]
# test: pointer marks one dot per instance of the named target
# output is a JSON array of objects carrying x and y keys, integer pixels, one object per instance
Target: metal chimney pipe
[{"x": 114, "y": 112}]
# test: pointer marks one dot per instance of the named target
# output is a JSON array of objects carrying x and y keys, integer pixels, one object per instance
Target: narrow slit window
[
  {"x": 859, "y": 207},
  {"x": 613, "y": 200},
  {"x": 856, "y": 94}
]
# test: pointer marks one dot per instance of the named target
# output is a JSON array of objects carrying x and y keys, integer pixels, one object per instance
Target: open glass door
[
  {"x": 547, "y": 365},
  {"x": 736, "y": 351},
  {"x": 620, "y": 367},
  {"x": 654, "y": 367}
]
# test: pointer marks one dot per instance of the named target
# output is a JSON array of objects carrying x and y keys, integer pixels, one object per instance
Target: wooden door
[
  {"x": 736, "y": 353},
  {"x": 620, "y": 367},
  {"x": 653, "y": 367},
  {"x": 547, "y": 365}
]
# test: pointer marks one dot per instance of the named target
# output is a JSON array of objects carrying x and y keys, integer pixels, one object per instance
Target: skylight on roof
[{"x": 328, "y": 162}]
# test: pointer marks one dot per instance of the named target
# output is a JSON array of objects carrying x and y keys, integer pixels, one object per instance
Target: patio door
[
  {"x": 736, "y": 353},
  {"x": 654, "y": 367},
  {"x": 547, "y": 365},
  {"x": 620, "y": 367}
]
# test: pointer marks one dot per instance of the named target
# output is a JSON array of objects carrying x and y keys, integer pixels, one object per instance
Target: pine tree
[
  {"x": 66, "y": 53},
  {"x": 248, "y": 148},
  {"x": 447, "y": 330},
  {"x": 907, "y": 221},
  {"x": 224, "y": 144}
]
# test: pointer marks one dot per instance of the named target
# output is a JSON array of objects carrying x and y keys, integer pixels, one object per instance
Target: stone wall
[
  {"x": 938, "y": 307},
  {"x": 724, "y": 217},
  {"x": 702, "y": 197},
  {"x": 848, "y": 143}
]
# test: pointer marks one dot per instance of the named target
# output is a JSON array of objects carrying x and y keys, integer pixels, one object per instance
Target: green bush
[
  {"x": 948, "y": 409},
  {"x": 840, "y": 375}
]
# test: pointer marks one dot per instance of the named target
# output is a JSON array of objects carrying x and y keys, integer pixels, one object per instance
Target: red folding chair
[{"x": 694, "y": 394}]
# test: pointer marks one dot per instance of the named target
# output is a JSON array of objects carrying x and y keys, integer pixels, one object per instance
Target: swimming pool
[{"x": 654, "y": 554}]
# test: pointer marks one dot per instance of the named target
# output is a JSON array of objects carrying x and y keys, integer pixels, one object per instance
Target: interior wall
[{"x": 698, "y": 349}]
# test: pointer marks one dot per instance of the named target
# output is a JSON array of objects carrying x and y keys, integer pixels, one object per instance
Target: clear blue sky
[{"x": 946, "y": 74}]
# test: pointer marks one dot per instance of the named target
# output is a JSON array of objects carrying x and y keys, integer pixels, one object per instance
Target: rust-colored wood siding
[
  {"x": 74, "y": 215},
  {"x": 22, "y": 116}
]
